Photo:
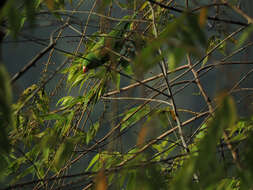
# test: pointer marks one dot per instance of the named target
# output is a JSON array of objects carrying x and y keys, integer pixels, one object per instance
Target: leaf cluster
[{"x": 150, "y": 141}]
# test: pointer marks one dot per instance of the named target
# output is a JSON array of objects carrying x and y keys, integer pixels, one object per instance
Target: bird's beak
[{"x": 85, "y": 69}]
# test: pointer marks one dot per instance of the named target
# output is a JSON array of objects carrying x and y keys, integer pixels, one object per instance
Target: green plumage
[{"x": 113, "y": 41}]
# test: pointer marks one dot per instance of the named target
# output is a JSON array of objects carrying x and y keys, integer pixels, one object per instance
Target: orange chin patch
[{"x": 85, "y": 69}]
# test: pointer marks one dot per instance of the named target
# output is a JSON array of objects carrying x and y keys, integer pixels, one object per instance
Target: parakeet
[{"x": 114, "y": 40}]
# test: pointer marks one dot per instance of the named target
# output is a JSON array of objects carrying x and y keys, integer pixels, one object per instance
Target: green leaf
[
  {"x": 17, "y": 14},
  {"x": 69, "y": 117},
  {"x": 6, "y": 118},
  {"x": 207, "y": 162},
  {"x": 65, "y": 100},
  {"x": 4, "y": 162},
  {"x": 135, "y": 116},
  {"x": 246, "y": 160},
  {"x": 244, "y": 36},
  {"x": 175, "y": 57},
  {"x": 205, "y": 61},
  {"x": 49, "y": 139},
  {"x": 148, "y": 58},
  {"x": 227, "y": 184},
  {"x": 128, "y": 69},
  {"x": 78, "y": 80},
  {"x": 92, "y": 132},
  {"x": 116, "y": 79},
  {"x": 70, "y": 101},
  {"x": 211, "y": 43},
  {"x": 195, "y": 30},
  {"x": 148, "y": 178},
  {"x": 25, "y": 172},
  {"x": 53, "y": 116},
  {"x": 63, "y": 153},
  {"x": 25, "y": 97},
  {"x": 204, "y": 163},
  {"x": 92, "y": 162}
]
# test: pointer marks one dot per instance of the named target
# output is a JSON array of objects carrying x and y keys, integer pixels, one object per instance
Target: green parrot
[{"x": 114, "y": 40}]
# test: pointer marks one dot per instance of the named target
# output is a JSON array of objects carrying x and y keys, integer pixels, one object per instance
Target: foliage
[
  {"x": 88, "y": 138},
  {"x": 6, "y": 120},
  {"x": 17, "y": 12}
]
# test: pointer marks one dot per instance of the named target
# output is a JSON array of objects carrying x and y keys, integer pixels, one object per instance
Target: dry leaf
[
  {"x": 50, "y": 4},
  {"x": 142, "y": 135},
  {"x": 202, "y": 17}
]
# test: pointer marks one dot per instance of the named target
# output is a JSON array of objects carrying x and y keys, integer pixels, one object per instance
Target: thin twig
[
  {"x": 209, "y": 17},
  {"x": 21, "y": 185},
  {"x": 209, "y": 52},
  {"x": 201, "y": 89},
  {"x": 159, "y": 138},
  {"x": 32, "y": 63},
  {"x": 136, "y": 98},
  {"x": 207, "y": 6},
  {"x": 114, "y": 92},
  {"x": 239, "y": 11},
  {"x": 211, "y": 110},
  {"x": 164, "y": 72}
]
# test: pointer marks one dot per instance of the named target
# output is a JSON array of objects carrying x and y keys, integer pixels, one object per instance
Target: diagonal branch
[
  {"x": 31, "y": 63},
  {"x": 239, "y": 11}
]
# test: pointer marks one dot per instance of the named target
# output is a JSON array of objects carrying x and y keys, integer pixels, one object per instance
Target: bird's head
[{"x": 85, "y": 69}]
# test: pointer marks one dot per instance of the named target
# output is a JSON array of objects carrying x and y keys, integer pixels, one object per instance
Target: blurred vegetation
[{"x": 148, "y": 141}]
